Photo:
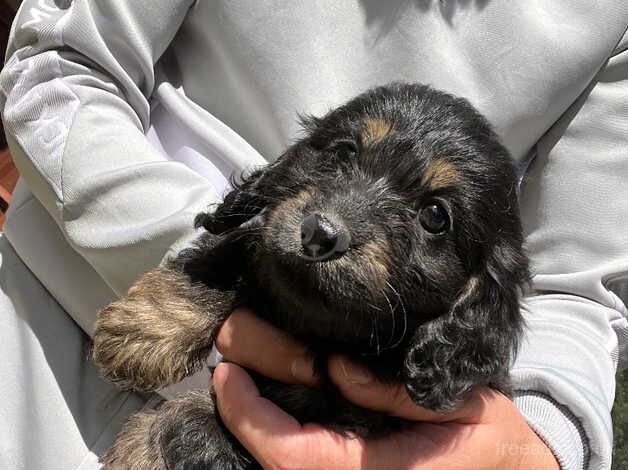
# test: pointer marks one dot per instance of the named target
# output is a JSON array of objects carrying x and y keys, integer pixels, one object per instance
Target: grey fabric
[
  {"x": 80, "y": 83},
  {"x": 56, "y": 412},
  {"x": 575, "y": 203},
  {"x": 53, "y": 261}
]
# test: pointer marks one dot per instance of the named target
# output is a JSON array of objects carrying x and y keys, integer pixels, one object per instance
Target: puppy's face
[{"x": 384, "y": 216}]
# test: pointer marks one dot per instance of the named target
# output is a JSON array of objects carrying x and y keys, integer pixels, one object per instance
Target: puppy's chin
[
  {"x": 294, "y": 279},
  {"x": 324, "y": 300}
]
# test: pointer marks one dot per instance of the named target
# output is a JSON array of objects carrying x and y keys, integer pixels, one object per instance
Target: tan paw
[
  {"x": 136, "y": 447},
  {"x": 160, "y": 333}
]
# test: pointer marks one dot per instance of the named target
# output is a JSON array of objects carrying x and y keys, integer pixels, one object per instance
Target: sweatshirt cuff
[{"x": 556, "y": 426}]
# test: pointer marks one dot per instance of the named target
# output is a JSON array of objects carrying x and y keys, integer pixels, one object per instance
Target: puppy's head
[{"x": 392, "y": 211}]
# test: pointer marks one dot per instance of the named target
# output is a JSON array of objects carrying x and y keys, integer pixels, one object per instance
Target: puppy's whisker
[
  {"x": 377, "y": 335},
  {"x": 392, "y": 318},
  {"x": 392, "y": 314},
  {"x": 375, "y": 307},
  {"x": 405, "y": 318},
  {"x": 372, "y": 331}
]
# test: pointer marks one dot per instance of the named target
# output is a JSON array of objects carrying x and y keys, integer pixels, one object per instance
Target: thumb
[{"x": 274, "y": 438}]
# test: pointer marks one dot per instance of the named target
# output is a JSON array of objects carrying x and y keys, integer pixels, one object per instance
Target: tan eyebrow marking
[
  {"x": 374, "y": 130},
  {"x": 440, "y": 173},
  {"x": 289, "y": 207}
]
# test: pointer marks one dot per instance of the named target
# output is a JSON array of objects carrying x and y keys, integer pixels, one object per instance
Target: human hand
[{"x": 485, "y": 432}]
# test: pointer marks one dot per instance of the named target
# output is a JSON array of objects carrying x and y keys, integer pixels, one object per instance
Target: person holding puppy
[{"x": 126, "y": 119}]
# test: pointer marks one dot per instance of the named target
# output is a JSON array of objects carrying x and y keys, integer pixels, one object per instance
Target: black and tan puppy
[{"x": 390, "y": 232}]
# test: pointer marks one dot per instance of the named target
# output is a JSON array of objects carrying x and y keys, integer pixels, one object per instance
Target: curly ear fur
[
  {"x": 476, "y": 341},
  {"x": 244, "y": 202}
]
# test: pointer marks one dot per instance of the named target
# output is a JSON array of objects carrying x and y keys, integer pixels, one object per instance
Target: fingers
[
  {"x": 248, "y": 340},
  {"x": 274, "y": 438},
  {"x": 360, "y": 387}
]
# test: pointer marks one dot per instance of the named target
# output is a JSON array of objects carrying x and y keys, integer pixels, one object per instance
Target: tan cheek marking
[
  {"x": 377, "y": 259},
  {"x": 439, "y": 174},
  {"x": 374, "y": 130}
]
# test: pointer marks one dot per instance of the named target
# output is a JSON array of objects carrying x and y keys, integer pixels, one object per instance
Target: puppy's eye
[
  {"x": 434, "y": 217},
  {"x": 345, "y": 149}
]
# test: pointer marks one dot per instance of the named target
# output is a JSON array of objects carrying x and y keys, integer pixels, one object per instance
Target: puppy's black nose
[{"x": 321, "y": 238}]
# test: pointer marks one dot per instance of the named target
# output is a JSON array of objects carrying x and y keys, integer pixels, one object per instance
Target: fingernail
[
  {"x": 355, "y": 374},
  {"x": 301, "y": 369}
]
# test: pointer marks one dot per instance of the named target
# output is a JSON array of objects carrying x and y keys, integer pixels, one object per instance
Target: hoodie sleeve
[
  {"x": 74, "y": 98},
  {"x": 575, "y": 208}
]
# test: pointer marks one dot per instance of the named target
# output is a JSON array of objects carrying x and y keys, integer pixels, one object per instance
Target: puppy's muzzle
[{"x": 323, "y": 238}]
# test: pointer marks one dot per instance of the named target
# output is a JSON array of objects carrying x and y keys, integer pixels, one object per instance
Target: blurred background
[{"x": 9, "y": 176}]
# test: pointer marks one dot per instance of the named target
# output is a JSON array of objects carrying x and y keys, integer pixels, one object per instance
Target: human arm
[
  {"x": 574, "y": 209},
  {"x": 74, "y": 95}
]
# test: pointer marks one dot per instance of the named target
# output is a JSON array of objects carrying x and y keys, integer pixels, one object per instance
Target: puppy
[{"x": 389, "y": 233}]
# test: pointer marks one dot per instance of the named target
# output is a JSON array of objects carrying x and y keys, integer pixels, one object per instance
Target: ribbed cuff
[{"x": 556, "y": 426}]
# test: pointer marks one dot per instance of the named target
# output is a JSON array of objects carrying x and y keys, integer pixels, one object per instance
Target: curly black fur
[{"x": 437, "y": 312}]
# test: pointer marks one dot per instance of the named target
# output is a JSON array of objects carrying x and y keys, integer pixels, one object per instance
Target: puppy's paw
[
  {"x": 135, "y": 448},
  {"x": 191, "y": 437},
  {"x": 160, "y": 333}
]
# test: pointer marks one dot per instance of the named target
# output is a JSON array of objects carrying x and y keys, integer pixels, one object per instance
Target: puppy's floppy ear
[
  {"x": 252, "y": 194},
  {"x": 215, "y": 260},
  {"x": 474, "y": 343},
  {"x": 245, "y": 201}
]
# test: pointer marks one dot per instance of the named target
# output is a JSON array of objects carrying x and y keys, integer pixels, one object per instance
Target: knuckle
[
  {"x": 224, "y": 339},
  {"x": 238, "y": 321}
]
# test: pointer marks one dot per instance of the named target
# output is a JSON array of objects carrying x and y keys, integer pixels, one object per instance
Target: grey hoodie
[{"x": 126, "y": 118}]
